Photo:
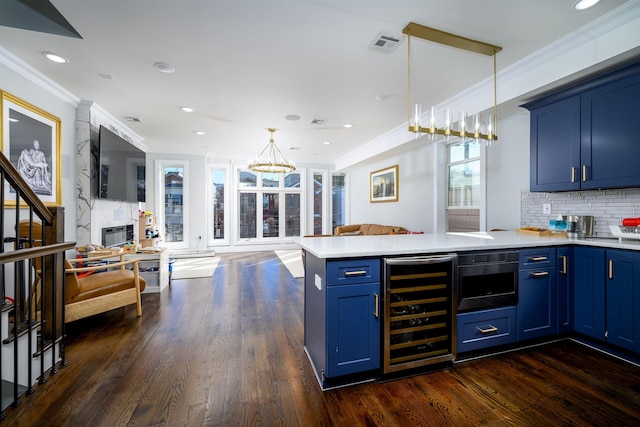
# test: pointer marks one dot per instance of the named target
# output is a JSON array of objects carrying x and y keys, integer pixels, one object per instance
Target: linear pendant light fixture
[
  {"x": 271, "y": 159},
  {"x": 475, "y": 132}
]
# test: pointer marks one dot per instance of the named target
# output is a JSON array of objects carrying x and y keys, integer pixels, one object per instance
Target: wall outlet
[{"x": 546, "y": 208}]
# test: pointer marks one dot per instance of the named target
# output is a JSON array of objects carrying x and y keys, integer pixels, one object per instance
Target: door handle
[
  {"x": 573, "y": 174},
  {"x": 537, "y": 259},
  {"x": 539, "y": 274},
  {"x": 564, "y": 264},
  {"x": 610, "y": 269},
  {"x": 488, "y": 330},
  {"x": 584, "y": 173},
  {"x": 377, "y": 312},
  {"x": 355, "y": 273}
]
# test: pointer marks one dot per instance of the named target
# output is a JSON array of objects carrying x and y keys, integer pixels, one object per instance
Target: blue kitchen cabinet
[
  {"x": 588, "y": 288},
  {"x": 564, "y": 283},
  {"x": 537, "y": 294},
  {"x": 609, "y": 127},
  {"x": 623, "y": 299},
  {"x": 342, "y": 318},
  {"x": 555, "y": 146},
  {"x": 584, "y": 137},
  {"x": 353, "y": 329},
  {"x": 477, "y": 330}
]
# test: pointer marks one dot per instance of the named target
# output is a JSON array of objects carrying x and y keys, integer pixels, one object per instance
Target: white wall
[
  {"x": 61, "y": 104},
  {"x": 414, "y": 208},
  {"x": 507, "y": 172}
]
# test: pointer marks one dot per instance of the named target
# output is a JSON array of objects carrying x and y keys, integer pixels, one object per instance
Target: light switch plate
[
  {"x": 318, "y": 282},
  {"x": 546, "y": 208}
]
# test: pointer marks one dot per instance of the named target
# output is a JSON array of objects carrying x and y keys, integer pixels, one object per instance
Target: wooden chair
[{"x": 109, "y": 286}]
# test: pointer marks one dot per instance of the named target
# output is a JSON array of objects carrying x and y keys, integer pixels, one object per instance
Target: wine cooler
[{"x": 419, "y": 312}]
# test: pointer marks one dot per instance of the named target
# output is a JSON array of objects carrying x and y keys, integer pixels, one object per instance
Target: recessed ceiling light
[
  {"x": 327, "y": 142},
  {"x": 163, "y": 67},
  {"x": 584, "y": 4},
  {"x": 348, "y": 125},
  {"x": 382, "y": 97},
  {"x": 199, "y": 132},
  {"x": 54, "y": 57},
  {"x": 292, "y": 117},
  {"x": 187, "y": 109}
]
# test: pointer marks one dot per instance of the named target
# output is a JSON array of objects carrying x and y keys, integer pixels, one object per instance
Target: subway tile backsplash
[{"x": 607, "y": 207}]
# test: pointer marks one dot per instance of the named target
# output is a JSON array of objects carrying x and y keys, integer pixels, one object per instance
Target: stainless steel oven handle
[{"x": 421, "y": 260}]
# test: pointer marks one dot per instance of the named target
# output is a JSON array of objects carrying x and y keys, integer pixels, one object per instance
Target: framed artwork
[
  {"x": 31, "y": 140},
  {"x": 384, "y": 185}
]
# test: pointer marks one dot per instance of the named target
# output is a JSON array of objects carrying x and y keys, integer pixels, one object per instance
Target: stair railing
[{"x": 32, "y": 287}]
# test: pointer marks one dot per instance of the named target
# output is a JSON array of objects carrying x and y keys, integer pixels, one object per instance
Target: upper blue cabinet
[{"x": 585, "y": 137}]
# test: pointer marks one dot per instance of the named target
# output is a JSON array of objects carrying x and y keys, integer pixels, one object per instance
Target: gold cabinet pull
[
  {"x": 539, "y": 274},
  {"x": 564, "y": 264},
  {"x": 584, "y": 173},
  {"x": 355, "y": 273},
  {"x": 488, "y": 330},
  {"x": 377, "y": 313},
  {"x": 610, "y": 269},
  {"x": 573, "y": 174},
  {"x": 538, "y": 259}
]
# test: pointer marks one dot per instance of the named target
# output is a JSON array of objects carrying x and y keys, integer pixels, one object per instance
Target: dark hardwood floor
[{"x": 229, "y": 351}]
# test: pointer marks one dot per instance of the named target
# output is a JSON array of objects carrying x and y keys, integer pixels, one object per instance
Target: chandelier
[
  {"x": 468, "y": 127},
  {"x": 271, "y": 159}
]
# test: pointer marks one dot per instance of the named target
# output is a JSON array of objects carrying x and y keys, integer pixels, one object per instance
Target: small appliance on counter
[{"x": 579, "y": 226}]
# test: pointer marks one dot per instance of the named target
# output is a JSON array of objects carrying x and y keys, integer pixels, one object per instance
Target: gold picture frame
[
  {"x": 31, "y": 140},
  {"x": 383, "y": 185}
]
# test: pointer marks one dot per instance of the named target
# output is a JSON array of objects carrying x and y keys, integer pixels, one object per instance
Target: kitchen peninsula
[{"x": 364, "y": 320}]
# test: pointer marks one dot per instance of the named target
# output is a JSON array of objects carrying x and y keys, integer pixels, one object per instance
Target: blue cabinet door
[
  {"x": 537, "y": 303},
  {"x": 555, "y": 146},
  {"x": 353, "y": 329},
  {"x": 588, "y": 288},
  {"x": 564, "y": 283},
  {"x": 609, "y": 142},
  {"x": 623, "y": 299}
]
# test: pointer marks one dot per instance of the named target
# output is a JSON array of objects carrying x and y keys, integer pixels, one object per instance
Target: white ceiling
[{"x": 245, "y": 65}]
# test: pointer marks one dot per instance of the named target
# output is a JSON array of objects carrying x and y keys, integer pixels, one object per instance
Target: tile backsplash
[{"x": 607, "y": 207}]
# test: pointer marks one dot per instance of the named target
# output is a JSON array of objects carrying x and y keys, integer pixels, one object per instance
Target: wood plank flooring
[{"x": 228, "y": 351}]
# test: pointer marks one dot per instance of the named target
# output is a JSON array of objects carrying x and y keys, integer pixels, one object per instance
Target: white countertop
[{"x": 413, "y": 244}]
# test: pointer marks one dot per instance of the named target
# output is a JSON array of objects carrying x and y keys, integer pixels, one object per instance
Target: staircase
[{"x": 31, "y": 288}]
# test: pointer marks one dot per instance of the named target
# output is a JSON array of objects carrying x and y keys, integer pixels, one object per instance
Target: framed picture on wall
[
  {"x": 31, "y": 140},
  {"x": 384, "y": 185}
]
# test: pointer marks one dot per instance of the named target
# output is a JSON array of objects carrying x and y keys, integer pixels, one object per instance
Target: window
[
  {"x": 317, "y": 203},
  {"x": 173, "y": 202},
  {"x": 463, "y": 185},
  {"x": 218, "y": 201},
  {"x": 278, "y": 214},
  {"x": 337, "y": 200}
]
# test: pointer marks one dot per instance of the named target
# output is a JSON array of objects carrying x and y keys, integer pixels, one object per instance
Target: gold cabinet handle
[
  {"x": 377, "y": 313},
  {"x": 610, "y": 269},
  {"x": 539, "y": 274},
  {"x": 355, "y": 273},
  {"x": 573, "y": 174},
  {"x": 538, "y": 259},
  {"x": 488, "y": 330},
  {"x": 584, "y": 173},
  {"x": 564, "y": 264}
]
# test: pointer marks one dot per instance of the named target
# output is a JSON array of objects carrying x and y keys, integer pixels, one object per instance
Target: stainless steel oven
[{"x": 487, "y": 280}]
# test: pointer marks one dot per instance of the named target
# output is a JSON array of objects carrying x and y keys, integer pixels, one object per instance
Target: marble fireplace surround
[{"x": 94, "y": 214}]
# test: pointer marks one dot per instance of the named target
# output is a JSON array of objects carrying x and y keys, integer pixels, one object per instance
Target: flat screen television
[{"x": 122, "y": 169}]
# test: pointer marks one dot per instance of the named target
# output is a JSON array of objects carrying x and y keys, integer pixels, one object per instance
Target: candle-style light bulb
[
  {"x": 447, "y": 123},
  {"x": 432, "y": 121},
  {"x": 417, "y": 113}
]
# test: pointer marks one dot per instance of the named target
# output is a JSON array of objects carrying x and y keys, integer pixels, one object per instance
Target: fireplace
[{"x": 117, "y": 235}]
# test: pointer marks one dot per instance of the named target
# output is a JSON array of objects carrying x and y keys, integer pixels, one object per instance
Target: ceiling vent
[
  {"x": 385, "y": 43},
  {"x": 318, "y": 121},
  {"x": 133, "y": 119}
]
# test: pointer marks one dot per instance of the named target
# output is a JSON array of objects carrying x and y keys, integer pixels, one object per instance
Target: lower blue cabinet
[
  {"x": 353, "y": 329},
  {"x": 486, "y": 328},
  {"x": 588, "y": 289},
  {"x": 537, "y": 294},
  {"x": 622, "y": 299}
]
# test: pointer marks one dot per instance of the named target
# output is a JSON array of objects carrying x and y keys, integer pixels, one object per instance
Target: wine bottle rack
[{"x": 419, "y": 312}]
